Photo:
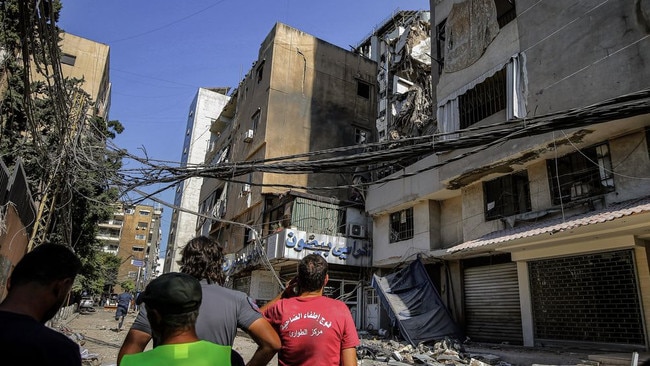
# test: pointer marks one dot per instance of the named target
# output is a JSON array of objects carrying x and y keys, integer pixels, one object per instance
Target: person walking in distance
[
  {"x": 172, "y": 301},
  {"x": 313, "y": 329},
  {"x": 123, "y": 304},
  {"x": 39, "y": 285},
  {"x": 222, "y": 310}
]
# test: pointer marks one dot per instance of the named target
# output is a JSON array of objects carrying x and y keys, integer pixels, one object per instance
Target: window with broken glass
[
  {"x": 255, "y": 119},
  {"x": 401, "y": 225},
  {"x": 585, "y": 173},
  {"x": 505, "y": 11},
  {"x": 484, "y": 100},
  {"x": 507, "y": 195},
  {"x": 68, "y": 59},
  {"x": 363, "y": 89},
  {"x": 440, "y": 45},
  {"x": 260, "y": 72},
  {"x": 360, "y": 136}
]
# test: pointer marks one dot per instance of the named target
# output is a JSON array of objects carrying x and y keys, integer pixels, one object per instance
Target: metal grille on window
[
  {"x": 401, "y": 225},
  {"x": 484, "y": 100},
  {"x": 585, "y": 173}
]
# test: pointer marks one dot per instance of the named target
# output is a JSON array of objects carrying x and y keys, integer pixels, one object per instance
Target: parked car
[{"x": 86, "y": 304}]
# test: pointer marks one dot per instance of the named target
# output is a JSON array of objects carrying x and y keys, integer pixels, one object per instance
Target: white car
[{"x": 86, "y": 304}]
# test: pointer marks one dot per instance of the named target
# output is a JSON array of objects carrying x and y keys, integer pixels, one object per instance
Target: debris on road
[{"x": 447, "y": 352}]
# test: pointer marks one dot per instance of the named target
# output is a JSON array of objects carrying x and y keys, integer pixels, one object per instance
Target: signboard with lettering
[
  {"x": 137, "y": 262},
  {"x": 296, "y": 244}
]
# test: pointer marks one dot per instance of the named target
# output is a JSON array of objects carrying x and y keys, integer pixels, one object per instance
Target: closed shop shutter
[
  {"x": 590, "y": 299},
  {"x": 492, "y": 310}
]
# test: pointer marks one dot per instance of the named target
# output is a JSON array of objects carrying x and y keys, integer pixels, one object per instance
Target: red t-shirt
[{"x": 313, "y": 330}]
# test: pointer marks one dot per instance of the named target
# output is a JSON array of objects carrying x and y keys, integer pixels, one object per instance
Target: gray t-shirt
[{"x": 222, "y": 311}]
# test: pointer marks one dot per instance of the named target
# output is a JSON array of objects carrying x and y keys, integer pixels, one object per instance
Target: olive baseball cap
[{"x": 172, "y": 293}]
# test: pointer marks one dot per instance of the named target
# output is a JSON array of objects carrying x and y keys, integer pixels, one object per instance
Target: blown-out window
[
  {"x": 585, "y": 173},
  {"x": 507, "y": 195},
  {"x": 401, "y": 225}
]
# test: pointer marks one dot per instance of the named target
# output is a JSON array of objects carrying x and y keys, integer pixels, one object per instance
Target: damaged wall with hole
[{"x": 401, "y": 46}]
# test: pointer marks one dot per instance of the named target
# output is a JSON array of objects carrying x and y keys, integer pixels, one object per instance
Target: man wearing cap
[
  {"x": 172, "y": 302},
  {"x": 222, "y": 312}
]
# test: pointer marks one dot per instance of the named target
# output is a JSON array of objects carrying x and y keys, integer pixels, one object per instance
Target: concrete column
[{"x": 525, "y": 304}]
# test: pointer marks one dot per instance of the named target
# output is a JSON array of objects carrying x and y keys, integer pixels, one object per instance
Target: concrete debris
[
  {"x": 475, "y": 362},
  {"x": 396, "y": 355},
  {"x": 447, "y": 352},
  {"x": 376, "y": 350},
  {"x": 489, "y": 359}
]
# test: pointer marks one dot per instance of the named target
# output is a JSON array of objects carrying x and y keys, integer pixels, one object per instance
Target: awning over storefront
[
  {"x": 615, "y": 213},
  {"x": 415, "y": 305}
]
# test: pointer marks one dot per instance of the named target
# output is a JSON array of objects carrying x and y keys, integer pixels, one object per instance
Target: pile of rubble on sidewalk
[
  {"x": 447, "y": 352},
  {"x": 87, "y": 358}
]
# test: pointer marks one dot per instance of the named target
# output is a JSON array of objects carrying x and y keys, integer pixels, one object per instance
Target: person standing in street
[
  {"x": 222, "y": 310},
  {"x": 123, "y": 304},
  {"x": 172, "y": 301},
  {"x": 313, "y": 329},
  {"x": 39, "y": 285}
]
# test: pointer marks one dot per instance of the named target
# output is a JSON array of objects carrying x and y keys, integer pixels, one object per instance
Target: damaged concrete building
[
  {"x": 535, "y": 225},
  {"x": 301, "y": 95},
  {"x": 401, "y": 46}
]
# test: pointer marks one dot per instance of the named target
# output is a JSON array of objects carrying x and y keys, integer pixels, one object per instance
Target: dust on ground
[{"x": 100, "y": 342}]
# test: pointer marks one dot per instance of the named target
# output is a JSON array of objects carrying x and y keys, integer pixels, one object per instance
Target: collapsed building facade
[
  {"x": 535, "y": 225},
  {"x": 401, "y": 46}
]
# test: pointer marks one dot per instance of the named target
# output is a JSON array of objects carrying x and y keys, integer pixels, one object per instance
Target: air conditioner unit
[
  {"x": 252, "y": 234},
  {"x": 357, "y": 231},
  {"x": 248, "y": 135}
]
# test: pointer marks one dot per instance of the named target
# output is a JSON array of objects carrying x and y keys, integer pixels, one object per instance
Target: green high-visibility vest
[{"x": 200, "y": 353}]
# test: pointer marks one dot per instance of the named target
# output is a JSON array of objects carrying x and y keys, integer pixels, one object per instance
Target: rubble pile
[
  {"x": 87, "y": 358},
  {"x": 448, "y": 352}
]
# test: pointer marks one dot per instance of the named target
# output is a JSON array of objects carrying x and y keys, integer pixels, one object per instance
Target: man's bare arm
[
  {"x": 349, "y": 357},
  {"x": 268, "y": 342},
  {"x": 136, "y": 341}
]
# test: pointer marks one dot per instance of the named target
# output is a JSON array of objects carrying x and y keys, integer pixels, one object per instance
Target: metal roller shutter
[
  {"x": 591, "y": 299},
  {"x": 492, "y": 310}
]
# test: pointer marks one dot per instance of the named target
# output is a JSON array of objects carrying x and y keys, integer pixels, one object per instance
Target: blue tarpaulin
[{"x": 415, "y": 305}]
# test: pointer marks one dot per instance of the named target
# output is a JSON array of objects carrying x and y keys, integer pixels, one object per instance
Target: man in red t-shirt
[{"x": 314, "y": 329}]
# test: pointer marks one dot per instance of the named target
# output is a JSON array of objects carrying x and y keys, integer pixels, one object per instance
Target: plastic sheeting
[{"x": 414, "y": 303}]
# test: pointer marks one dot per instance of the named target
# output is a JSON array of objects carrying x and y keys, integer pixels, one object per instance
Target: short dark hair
[
  {"x": 312, "y": 270},
  {"x": 46, "y": 263},
  {"x": 176, "y": 322},
  {"x": 202, "y": 258}
]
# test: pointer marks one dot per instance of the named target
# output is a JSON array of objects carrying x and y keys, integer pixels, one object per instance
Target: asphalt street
[
  {"x": 96, "y": 333},
  {"x": 100, "y": 341}
]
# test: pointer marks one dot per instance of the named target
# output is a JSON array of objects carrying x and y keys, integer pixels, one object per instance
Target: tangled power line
[{"x": 363, "y": 159}]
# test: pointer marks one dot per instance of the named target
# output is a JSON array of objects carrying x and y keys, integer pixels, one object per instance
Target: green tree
[
  {"x": 127, "y": 286},
  {"x": 45, "y": 123}
]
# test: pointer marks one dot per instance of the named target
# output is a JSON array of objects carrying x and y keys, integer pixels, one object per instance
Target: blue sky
[{"x": 163, "y": 51}]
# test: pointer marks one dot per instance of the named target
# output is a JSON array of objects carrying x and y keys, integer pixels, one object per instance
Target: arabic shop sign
[{"x": 335, "y": 249}]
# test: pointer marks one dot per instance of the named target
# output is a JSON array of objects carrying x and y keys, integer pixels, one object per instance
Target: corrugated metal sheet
[
  {"x": 492, "y": 306},
  {"x": 317, "y": 217}
]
